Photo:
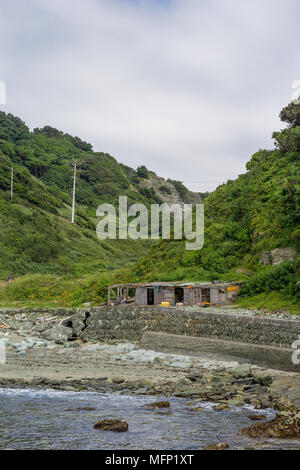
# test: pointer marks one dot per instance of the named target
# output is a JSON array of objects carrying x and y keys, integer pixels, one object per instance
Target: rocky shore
[{"x": 41, "y": 352}]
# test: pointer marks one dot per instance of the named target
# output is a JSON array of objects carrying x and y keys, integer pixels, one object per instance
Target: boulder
[
  {"x": 283, "y": 254},
  {"x": 265, "y": 258},
  {"x": 257, "y": 417},
  {"x": 194, "y": 377},
  {"x": 262, "y": 378},
  {"x": 221, "y": 407},
  {"x": 117, "y": 380},
  {"x": 81, "y": 408},
  {"x": 285, "y": 425},
  {"x": 157, "y": 405},
  {"x": 198, "y": 408},
  {"x": 284, "y": 404},
  {"x": 277, "y": 256},
  {"x": 60, "y": 334},
  {"x": 114, "y": 425},
  {"x": 218, "y": 446},
  {"x": 244, "y": 370}
]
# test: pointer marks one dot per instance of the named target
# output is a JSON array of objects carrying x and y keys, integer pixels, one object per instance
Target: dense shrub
[
  {"x": 271, "y": 278},
  {"x": 142, "y": 172}
]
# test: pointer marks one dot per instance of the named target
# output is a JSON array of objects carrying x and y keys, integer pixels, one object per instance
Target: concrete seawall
[
  {"x": 236, "y": 334},
  {"x": 130, "y": 322},
  {"x": 267, "y": 356},
  {"x": 259, "y": 340}
]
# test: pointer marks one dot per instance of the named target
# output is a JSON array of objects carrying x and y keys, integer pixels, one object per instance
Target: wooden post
[{"x": 108, "y": 296}]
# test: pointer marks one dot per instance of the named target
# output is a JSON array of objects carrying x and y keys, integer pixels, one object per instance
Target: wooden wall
[{"x": 192, "y": 295}]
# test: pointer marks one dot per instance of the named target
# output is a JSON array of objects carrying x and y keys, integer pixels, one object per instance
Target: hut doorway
[
  {"x": 206, "y": 295},
  {"x": 150, "y": 296},
  {"x": 179, "y": 296}
]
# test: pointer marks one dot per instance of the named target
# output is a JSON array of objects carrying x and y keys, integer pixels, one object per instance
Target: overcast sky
[{"x": 189, "y": 88}]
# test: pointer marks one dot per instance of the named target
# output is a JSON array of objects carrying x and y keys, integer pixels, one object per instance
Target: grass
[
  {"x": 38, "y": 290},
  {"x": 273, "y": 301},
  {"x": 44, "y": 290}
]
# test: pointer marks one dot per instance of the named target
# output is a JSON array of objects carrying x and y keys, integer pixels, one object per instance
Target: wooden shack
[{"x": 215, "y": 293}]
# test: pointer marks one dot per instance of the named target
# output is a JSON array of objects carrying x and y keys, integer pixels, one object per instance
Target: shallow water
[{"x": 36, "y": 419}]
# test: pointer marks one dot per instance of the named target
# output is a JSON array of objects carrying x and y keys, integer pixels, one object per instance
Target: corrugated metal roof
[{"x": 178, "y": 284}]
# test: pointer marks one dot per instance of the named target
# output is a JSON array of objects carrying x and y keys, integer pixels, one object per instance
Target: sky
[{"x": 189, "y": 88}]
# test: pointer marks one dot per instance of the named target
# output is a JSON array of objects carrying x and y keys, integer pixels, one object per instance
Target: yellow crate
[{"x": 165, "y": 304}]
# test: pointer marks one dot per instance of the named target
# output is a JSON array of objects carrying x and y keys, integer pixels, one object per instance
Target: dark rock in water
[
  {"x": 198, "y": 408},
  {"x": 221, "y": 407},
  {"x": 257, "y": 417},
  {"x": 112, "y": 425},
  {"x": 285, "y": 425},
  {"x": 81, "y": 408},
  {"x": 218, "y": 446},
  {"x": 157, "y": 405}
]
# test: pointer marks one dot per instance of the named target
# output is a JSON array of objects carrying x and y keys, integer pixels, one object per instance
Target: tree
[
  {"x": 12, "y": 129},
  {"x": 291, "y": 113},
  {"x": 142, "y": 172}
]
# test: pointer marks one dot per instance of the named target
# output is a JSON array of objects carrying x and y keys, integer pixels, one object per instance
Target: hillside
[
  {"x": 36, "y": 234},
  {"x": 244, "y": 220},
  {"x": 257, "y": 212}
]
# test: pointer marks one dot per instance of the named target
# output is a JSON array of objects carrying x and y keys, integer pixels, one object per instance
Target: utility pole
[
  {"x": 11, "y": 183},
  {"x": 74, "y": 190}
]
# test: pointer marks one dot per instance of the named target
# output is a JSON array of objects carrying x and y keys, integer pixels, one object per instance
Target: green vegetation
[
  {"x": 36, "y": 235},
  {"x": 274, "y": 301},
  {"x": 182, "y": 190},
  {"x": 268, "y": 279},
  {"x": 66, "y": 264},
  {"x": 165, "y": 189},
  {"x": 258, "y": 211},
  {"x": 142, "y": 172},
  {"x": 33, "y": 290}
]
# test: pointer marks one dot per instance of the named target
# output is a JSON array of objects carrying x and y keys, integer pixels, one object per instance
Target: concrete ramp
[{"x": 263, "y": 355}]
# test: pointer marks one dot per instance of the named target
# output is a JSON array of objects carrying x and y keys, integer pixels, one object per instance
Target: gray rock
[
  {"x": 72, "y": 344},
  {"x": 60, "y": 334},
  {"x": 244, "y": 370},
  {"x": 278, "y": 255},
  {"x": 265, "y": 258},
  {"x": 262, "y": 378},
  {"x": 194, "y": 377},
  {"x": 283, "y": 254}
]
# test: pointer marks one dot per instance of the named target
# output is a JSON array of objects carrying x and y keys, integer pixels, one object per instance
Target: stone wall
[{"x": 129, "y": 323}]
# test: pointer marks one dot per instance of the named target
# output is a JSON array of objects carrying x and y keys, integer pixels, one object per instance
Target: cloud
[{"x": 190, "y": 89}]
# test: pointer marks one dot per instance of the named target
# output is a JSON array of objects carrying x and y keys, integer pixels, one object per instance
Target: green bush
[
  {"x": 142, "y": 172},
  {"x": 271, "y": 278},
  {"x": 165, "y": 189}
]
